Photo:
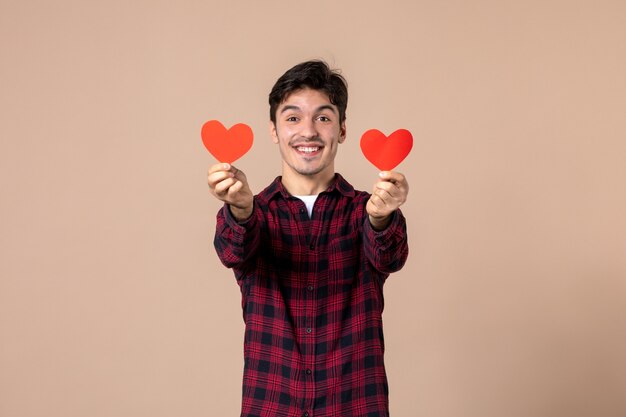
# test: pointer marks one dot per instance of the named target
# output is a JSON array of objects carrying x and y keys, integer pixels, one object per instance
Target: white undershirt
[{"x": 309, "y": 201}]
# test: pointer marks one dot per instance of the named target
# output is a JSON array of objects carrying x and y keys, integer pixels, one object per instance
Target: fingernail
[{"x": 226, "y": 166}]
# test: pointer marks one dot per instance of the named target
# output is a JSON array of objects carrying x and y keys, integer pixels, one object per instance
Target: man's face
[{"x": 308, "y": 132}]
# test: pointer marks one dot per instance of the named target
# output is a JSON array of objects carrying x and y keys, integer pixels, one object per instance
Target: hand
[
  {"x": 389, "y": 193},
  {"x": 230, "y": 185}
]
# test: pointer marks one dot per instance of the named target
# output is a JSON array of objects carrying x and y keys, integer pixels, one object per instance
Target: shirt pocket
[{"x": 344, "y": 257}]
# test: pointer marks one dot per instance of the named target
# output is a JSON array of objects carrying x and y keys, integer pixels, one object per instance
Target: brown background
[{"x": 112, "y": 300}]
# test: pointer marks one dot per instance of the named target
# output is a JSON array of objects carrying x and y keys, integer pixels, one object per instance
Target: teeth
[{"x": 307, "y": 149}]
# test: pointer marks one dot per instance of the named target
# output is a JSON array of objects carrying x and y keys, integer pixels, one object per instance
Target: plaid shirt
[{"x": 312, "y": 298}]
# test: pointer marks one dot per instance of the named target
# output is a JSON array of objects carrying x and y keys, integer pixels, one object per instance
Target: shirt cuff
[
  {"x": 240, "y": 228},
  {"x": 382, "y": 236}
]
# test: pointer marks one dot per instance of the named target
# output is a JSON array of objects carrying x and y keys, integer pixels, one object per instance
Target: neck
[{"x": 298, "y": 184}]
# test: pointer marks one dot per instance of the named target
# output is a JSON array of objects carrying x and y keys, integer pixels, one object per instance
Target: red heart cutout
[
  {"x": 386, "y": 152},
  {"x": 226, "y": 145}
]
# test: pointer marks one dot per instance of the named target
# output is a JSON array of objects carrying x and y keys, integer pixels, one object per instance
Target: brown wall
[{"x": 112, "y": 300}]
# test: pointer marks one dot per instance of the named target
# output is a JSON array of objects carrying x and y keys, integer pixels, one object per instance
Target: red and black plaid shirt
[{"x": 312, "y": 298}]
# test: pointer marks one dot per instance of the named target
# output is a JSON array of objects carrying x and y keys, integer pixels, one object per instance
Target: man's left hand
[{"x": 389, "y": 193}]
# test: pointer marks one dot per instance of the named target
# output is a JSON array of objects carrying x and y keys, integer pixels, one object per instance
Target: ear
[
  {"x": 342, "y": 132},
  {"x": 273, "y": 134}
]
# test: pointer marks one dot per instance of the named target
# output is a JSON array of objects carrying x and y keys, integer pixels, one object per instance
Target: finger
[
  {"x": 392, "y": 176},
  {"x": 219, "y": 167},
  {"x": 389, "y": 187},
  {"x": 397, "y": 194},
  {"x": 221, "y": 188},
  {"x": 384, "y": 195},
  {"x": 377, "y": 202},
  {"x": 398, "y": 190},
  {"x": 235, "y": 188},
  {"x": 217, "y": 177}
]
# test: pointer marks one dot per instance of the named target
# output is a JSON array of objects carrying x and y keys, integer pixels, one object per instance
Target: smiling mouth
[{"x": 308, "y": 150}]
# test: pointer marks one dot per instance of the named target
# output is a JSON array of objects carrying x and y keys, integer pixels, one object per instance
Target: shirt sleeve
[
  {"x": 236, "y": 243},
  {"x": 387, "y": 249}
]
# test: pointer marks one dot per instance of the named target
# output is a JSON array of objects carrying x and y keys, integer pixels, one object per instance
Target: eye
[
  {"x": 292, "y": 119},
  {"x": 323, "y": 119}
]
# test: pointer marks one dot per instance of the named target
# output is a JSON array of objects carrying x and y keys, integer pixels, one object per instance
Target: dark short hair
[{"x": 316, "y": 75}]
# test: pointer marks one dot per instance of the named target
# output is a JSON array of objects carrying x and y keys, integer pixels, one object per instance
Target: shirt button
[
  {"x": 306, "y": 414},
  {"x": 309, "y": 330},
  {"x": 308, "y": 372},
  {"x": 310, "y": 288}
]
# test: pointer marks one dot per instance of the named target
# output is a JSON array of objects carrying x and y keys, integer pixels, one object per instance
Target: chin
[{"x": 310, "y": 171}]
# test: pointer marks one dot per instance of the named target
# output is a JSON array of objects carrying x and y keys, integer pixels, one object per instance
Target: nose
[{"x": 308, "y": 129}]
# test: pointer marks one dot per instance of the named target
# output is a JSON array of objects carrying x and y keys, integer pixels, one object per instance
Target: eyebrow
[{"x": 319, "y": 109}]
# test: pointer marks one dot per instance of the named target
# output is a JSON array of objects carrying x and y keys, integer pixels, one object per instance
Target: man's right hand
[{"x": 230, "y": 185}]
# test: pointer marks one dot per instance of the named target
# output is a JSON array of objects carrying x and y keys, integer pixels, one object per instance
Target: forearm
[
  {"x": 236, "y": 242},
  {"x": 387, "y": 248}
]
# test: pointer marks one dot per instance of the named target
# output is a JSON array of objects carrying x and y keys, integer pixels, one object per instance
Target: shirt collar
[{"x": 338, "y": 184}]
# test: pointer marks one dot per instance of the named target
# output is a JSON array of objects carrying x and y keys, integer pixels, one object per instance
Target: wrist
[
  {"x": 241, "y": 214},
  {"x": 380, "y": 223}
]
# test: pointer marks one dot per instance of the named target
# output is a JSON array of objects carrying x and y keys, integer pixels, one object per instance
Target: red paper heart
[
  {"x": 386, "y": 152},
  {"x": 226, "y": 145}
]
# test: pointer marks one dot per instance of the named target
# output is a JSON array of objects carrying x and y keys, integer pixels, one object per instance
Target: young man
[{"x": 311, "y": 256}]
